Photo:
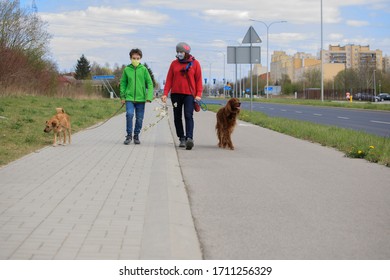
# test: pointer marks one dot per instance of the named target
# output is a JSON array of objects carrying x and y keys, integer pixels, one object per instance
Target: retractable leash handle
[{"x": 201, "y": 104}]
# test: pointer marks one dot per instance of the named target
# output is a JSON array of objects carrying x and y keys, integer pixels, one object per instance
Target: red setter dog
[{"x": 226, "y": 121}]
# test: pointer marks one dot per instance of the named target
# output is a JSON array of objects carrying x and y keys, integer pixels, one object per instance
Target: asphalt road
[
  {"x": 374, "y": 122},
  {"x": 278, "y": 197}
]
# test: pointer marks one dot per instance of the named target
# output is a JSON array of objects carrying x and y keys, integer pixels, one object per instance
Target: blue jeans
[
  {"x": 187, "y": 101},
  {"x": 139, "y": 109}
]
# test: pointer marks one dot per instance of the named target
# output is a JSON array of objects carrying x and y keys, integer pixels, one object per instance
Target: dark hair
[{"x": 135, "y": 51}]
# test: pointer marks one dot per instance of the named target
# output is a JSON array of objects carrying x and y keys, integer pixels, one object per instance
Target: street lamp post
[
  {"x": 267, "y": 26},
  {"x": 322, "y": 57},
  {"x": 224, "y": 77},
  {"x": 374, "y": 83}
]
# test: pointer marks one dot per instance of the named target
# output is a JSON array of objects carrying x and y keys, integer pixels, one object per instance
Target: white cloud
[
  {"x": 106, "y": 33},
  {"x": 357, "y": 23},
  {"x": 101, "y": 21},
  {"x": 335, "y": 36}
]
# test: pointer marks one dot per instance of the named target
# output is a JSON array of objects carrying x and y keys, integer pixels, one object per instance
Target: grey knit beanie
[{"x": 183, "y": 47}]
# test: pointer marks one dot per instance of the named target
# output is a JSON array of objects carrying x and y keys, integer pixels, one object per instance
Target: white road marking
[
  {"x": 244, "y": 124},
  {"x": 283, "y": 110},
  {"x": 344, "y": 118},
  {"x": 380, "y": 122},
  {"x": 317, "y": 115},
  {"x": 299, "y": 112}
]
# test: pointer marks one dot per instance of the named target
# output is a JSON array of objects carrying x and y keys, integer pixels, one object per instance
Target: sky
[{"x": 106, "y": 30}]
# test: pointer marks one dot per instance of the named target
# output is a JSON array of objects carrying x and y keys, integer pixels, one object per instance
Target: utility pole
[{"x": 267, "y": 26}]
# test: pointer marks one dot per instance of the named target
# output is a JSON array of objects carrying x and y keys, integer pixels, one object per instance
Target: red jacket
[{"x": 184, "y": 79}]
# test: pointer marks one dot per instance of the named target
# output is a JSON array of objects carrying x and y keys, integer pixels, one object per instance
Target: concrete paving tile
[{"x": 91, "y": 206}]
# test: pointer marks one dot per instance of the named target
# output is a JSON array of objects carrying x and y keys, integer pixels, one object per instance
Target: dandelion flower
[
  {"x": 359, "y": 152},
  {"x": 372, "y": 147}
]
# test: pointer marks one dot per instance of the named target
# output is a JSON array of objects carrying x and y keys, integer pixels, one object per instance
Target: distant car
[
  {"x": 382, "y": 97},
  {"x": 364, "y": 97}
]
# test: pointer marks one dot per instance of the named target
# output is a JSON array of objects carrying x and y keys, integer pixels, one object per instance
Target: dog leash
[
  {"x": 93, "y": 127},
  {"x": 113, "y": 115},
  {"x": 163, "y": 113},
  {"x": 202, "y": 105}
]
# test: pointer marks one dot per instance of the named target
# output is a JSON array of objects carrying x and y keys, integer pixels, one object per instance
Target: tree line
[{"x": 25, "y": 65}]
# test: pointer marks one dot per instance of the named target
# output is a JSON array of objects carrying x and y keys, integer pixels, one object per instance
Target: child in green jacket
[{"x": 136, "y": 88}]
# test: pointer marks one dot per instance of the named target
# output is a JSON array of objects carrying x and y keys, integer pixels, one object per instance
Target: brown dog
[
  {"x": 59, "y": 123},
  {"x": 226, "y": 121}
]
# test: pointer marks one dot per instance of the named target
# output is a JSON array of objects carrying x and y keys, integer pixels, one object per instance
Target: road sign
[
  {"x": 251, "y": 37},
  {"x": 227, "y": 88},
  {"x": 103, "y": 77},
  {"x": 243, "y": 55}
]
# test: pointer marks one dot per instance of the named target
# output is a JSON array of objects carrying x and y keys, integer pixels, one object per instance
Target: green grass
[
  {"x": 22, "y": 120},
  {"x": 328, "y": 103},
  {"x": 372, "y": 148}
]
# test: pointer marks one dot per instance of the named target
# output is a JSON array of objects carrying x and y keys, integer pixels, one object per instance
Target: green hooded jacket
[{"x": 136, "y": 84}]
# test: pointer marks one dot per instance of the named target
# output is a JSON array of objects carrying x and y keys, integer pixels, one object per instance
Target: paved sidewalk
[{"x": 99, "y": 199}]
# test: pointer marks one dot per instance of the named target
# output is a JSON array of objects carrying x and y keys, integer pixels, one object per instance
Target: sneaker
[
  {"x": 128, "y": 140},
  {"x": 182, "y": 142},
  {"x": 189, "y": 144},
  {"x": 136, "y": 140}
]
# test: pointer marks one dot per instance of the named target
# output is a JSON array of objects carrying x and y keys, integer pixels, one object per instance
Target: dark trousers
[{"x": 186, "y": 101}]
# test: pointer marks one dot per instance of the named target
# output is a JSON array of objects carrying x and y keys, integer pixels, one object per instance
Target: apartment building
[
  {"x": 336, "y": 59},
  {"x": 354, "y": 56},
  {"x": 386, "y": 64},
  {"x": 293, "y": 66}
]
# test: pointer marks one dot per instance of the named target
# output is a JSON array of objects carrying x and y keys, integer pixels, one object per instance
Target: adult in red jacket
[{"x": 184, "y": 82}]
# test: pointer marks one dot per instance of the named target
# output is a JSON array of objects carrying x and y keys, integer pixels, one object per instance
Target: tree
[
  {"x": 23, "y": 46},
  {"x": 151, "y": 74},
  {"x": 313, "y": 78},
  {"x": 286, "y": 84},
  {"x": 347, "y": 80},
  {"x": 21, "y": 30},
  {"x": 83, "y": 68},
  {"x": 96, "y": 69}
]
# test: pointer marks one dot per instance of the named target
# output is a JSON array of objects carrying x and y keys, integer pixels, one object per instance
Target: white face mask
[{"x": 180, "y": 55}]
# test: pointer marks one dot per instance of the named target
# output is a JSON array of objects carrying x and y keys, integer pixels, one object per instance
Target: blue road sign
[
  {"x": 103, "y": 77},
  {"x": 247, "y": 90},
  {"x": 227, "y": 88}
]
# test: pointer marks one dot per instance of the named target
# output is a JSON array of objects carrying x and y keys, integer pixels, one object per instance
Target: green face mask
[{"x": 135, "y": 62}]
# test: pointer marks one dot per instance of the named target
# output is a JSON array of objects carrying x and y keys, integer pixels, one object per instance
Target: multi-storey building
[
  {"x": 336, "y": 59},
  {"x": 386, "y": 64},
  {"x": 354, "y": 56}
]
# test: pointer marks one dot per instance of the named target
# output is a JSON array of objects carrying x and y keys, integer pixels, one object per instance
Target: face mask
[
  {"x": 180, "y": 55},
  {"x": 135, "y": 62}
]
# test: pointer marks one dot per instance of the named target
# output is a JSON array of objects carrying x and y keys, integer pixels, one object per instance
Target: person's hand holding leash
[
  {"x": 123, "y": 101},
  {"x": 164, "y": 99},
  {"x": 198, "y": 98}
]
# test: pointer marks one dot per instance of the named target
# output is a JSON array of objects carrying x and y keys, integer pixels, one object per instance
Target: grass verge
[
  {"x": 353, "y": 143},
  {"x": 22, "y": 120},
  {"x": 327, "y": 103}
]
